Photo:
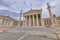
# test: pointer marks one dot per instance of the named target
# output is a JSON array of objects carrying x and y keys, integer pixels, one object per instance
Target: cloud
[
  {"x": 21, "y": 4},
  {"x": 3, "y": 7},
  {"x": 17, "y": 18},
  {"x": 17, "y": 5},
  {"x": 56, "y": 10}
]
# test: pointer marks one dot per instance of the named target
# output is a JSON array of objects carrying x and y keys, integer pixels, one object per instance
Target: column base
[{"x": 32, "y": 26}]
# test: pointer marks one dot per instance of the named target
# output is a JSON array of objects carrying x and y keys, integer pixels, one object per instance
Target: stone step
[{"x": 57, "y": 29}]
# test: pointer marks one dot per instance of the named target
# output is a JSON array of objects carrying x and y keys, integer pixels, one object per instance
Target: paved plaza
[{"x": 28, "y": 34}]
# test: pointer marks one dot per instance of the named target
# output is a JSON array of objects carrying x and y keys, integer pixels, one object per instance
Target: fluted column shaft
[
  {"x": 29, "y": 20},
  {"x": 37, "y": 20},
  {"x": 26, "y": 20},
  {"x": 33, "y": 20}
]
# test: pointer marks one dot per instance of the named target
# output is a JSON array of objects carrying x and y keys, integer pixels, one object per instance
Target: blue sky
[{"x": 25, "y": 5}]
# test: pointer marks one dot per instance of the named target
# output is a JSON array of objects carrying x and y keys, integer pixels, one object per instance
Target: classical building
[
  {"x": 7, "y": 22},
  {"x": 47, "y": 22},
  {"x": 57, "y": 20},
  {"x": 33, "y": 18}
]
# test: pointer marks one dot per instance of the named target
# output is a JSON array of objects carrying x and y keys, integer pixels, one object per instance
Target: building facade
[
  {"x": 7, "y": 22},
  {"x": 33, "y": 18}
]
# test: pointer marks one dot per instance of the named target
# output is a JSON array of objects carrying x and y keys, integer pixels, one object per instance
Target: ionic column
[
  {"x": 51, "y": 15},
  {"x": 42, "y": 20},
  {"x": 37, "y": 20},
  {"x": 29, "y": 20},
  {"x": 33, "y": 21},
  {"x": 26, "y": 20}
]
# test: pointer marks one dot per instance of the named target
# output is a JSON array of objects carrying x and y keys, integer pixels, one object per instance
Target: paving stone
[{"x": 36, "y": 37}]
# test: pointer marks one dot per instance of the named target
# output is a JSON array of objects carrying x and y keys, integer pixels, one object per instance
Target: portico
[{"x": 33, "y": 18}]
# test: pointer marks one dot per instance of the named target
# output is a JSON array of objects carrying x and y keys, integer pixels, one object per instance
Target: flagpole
[
  {"x": 31, "y": 6},
  {"x": 20, "y": 18}
]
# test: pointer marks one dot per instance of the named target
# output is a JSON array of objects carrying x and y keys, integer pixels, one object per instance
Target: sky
[{"x": 25, "y": 5}]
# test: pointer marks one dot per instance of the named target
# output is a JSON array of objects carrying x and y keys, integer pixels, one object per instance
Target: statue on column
[{"x": 51, "y": 15}]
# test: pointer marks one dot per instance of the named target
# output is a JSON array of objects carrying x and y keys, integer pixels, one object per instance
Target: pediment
[{"x": 30, "y": 12}]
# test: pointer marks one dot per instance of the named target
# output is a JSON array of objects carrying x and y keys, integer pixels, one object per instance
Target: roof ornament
[
  {"x": 54, "y": 15},
  {"x": 47, "y": 4}
]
